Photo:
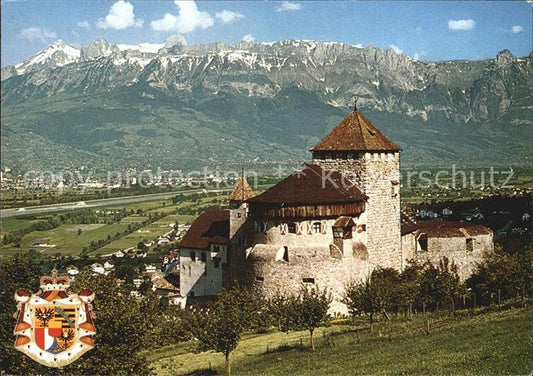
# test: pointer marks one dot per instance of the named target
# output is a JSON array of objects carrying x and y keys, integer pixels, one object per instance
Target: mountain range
[{"x": 174, "y": 105}]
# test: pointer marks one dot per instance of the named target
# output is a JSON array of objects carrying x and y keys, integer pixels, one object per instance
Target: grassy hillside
[{"x": 495, "y": 343}]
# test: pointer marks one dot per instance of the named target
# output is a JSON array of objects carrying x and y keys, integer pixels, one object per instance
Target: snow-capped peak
[
  {"x": 57, "y": 54},
  {"x": 147, "y": 48}
]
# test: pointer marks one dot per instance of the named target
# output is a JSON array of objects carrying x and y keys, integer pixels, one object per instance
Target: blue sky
[{"x": 427, "y": 30}]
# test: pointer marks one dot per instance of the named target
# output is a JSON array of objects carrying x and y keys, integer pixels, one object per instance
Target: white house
[
  {"x": 98, "y": 268},
  {"x": 203, "y": 254},
  {"x": 137, "y": 282},
  {"x": 150, "y": 268},
  {"x": 162, "y": 240},
  {"x": 72, "y": 270}
]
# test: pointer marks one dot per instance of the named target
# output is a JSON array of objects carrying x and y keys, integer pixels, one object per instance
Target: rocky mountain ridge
[{"x": 248, "y": 82}]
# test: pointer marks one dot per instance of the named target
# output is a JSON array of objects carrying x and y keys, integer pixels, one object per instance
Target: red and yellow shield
[{"x": 54, "y": 326}]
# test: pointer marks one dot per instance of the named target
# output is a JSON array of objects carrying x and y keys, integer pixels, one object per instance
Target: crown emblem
[
  {"x": 54, "y": 282},
  {"x": 54, "y": 326}
]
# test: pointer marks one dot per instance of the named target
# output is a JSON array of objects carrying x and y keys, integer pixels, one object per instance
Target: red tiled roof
[
  {"x": 242, "y": 191},
  {"x": 438, "y": 229},
  {"x": 312, "y": 185},
  {"x": 407, "y": 224},
  {"x": 355, "y": 133},
  {"x": 343, "y": 222},
  {"x": 212, "y": 226}
]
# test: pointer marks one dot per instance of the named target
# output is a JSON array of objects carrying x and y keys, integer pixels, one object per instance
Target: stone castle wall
[
  {"x": 237, "y": 218},
  {"x": 454, "y": 249},
  {"x": 378, "y": 175},
  {"x": 270, "y": 232},
  {"x": 306, "y": 265},
  {"x": 199, "y": 277}
]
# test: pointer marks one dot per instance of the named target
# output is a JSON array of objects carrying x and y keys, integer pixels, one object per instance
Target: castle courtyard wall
[
  {"x": 271, "y": 275},
  {"x": 454, "y": 248}
]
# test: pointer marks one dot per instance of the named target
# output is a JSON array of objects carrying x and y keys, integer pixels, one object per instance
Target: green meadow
[
  {"x": 494, "y": 343},
  {"x": 69, "y": 241}
]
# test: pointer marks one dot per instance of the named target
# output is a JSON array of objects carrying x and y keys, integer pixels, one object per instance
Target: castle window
[
  {"x": 337, "y": 232},
  {"x": 217, "y": 262},
  {"x": 257, "y": 227},
  {"x": 203, "y": 257},
  {"x": 347, "y": 233},
  {"x": 291, "y": 228},
  {"x": 470, "y": 245},
  {"x": 395, "y": 188},
  {"x": 423, "y": 243},
  {"x": 259, "y": 279},
  {"x": 308, "y": 280},
  {"x": 286, "y": 253},
  {"x": 239, "y": 215},
  {"x": 317, "y": 227},
  {"x": 193, "y": 256}
]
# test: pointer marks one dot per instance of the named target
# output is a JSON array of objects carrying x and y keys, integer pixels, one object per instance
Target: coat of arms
[{"x": 54, "y": 326}]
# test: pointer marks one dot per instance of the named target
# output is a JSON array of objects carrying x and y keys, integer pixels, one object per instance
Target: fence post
[{"x": 427, "y": 326}]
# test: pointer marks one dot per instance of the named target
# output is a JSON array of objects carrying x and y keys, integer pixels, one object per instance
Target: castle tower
[
  {"x": 358, "y": 150},
  {"x": 238, "y": 207}
]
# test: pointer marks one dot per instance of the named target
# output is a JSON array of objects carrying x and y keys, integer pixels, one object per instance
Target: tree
[
  {"x": 360, "y": 297},
  {"x": 377, "y": 294},
  {"x": 145, "y": 286},
  {"x": 219, "y": 328},
  {"x": 280, "y": 310},
  {"x": 407, "y": 291},
  {"x": 311, "y": 310},
  {"x": 506, "y": 273},
  {"x": 19, "y": 272},
  {"x": 450, "y": 288},
  {"x": 120, "y": 325},
  {"x": 440, "y": 286}
]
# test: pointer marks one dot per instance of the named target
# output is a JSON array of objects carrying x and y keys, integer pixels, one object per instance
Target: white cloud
[
  {"x": 36, "y": 33},
  {"x": 248, "y": 38},
  {"x": 513, "y": 30},
  {"x": 287, "y": 6},
  {"x": 461, "y": 24},
  {"x": 517, "y": 29},
  {"x": 227, "y": 16},
  {"x": 189, "y": 18},
  {"x": 419, "y": 29},
  {"x": 120, "y": 17},
  {"x": 83, "y": 24},
  {"x": 396, "y": 49}
]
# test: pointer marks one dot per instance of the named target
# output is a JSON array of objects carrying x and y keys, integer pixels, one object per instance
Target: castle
[{"x": 332, "y": 222}]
